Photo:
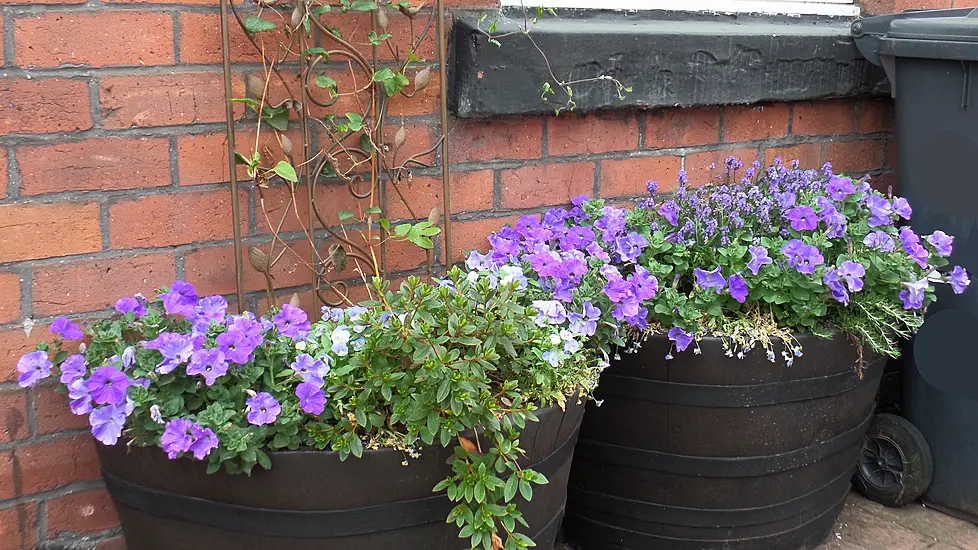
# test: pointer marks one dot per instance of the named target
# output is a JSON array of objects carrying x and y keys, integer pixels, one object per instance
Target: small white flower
[
  {"x": 155, "y": 414},
  {"x": 472, "y": 276},
  {"x": 668, "y": 357},
  {"x": 300, "y": 345}
]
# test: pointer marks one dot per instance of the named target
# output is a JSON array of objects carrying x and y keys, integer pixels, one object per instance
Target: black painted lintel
[{"x": 667, "y": 59}]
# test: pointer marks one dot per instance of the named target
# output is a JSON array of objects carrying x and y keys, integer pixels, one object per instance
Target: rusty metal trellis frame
[{"x": 318, "y": 160}]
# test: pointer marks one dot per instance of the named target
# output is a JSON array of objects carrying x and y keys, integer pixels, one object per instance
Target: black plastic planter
[
  {"x": 312, "y": 500},
  {"x": 712, "y": 452}
]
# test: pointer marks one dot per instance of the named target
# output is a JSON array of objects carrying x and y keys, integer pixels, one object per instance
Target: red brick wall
[{"x": 113, "y": 178}]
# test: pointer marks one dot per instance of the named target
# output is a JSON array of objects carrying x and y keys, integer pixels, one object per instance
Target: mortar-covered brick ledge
[{"x": 667, "y": 58}]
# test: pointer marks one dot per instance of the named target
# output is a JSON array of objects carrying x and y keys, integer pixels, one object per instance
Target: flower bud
[
  {"x": 422, "y": 79},
  {"x": 400, "y": 137},
  {"x": 256, "y": 86},
  {"x": 381, "y": 18},
  {"x": 258, "y": 259},
  {"x": 294, "y": 300}
]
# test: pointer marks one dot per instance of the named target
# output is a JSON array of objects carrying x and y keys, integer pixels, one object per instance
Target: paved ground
[{"x": 866, "y": 525}]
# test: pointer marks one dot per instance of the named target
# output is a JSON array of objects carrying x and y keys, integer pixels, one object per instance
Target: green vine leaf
[
  {"x": 254, "y": 24},
  {"x": 315, "y": 51},
  {"x": 363, "y": 5},
  {"x": 393, "y": 82},
  {"x": 285, "y": 171},
  {"x": 356, "y": 122},
  {"x": 376, "y": 39}
]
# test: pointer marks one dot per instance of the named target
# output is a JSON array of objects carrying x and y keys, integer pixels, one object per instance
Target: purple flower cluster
[{"x": 182, "y": 435}]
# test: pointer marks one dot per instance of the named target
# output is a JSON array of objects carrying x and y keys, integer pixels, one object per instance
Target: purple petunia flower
[
  {"x": 707, "y": 280},
  {"x": 310, "y": 370},
  {"x": 209, "y": 363},
  {"x": 81, "y": 400},
  {"x": 834, "y": 282},
  {"x": 942, "y": 243},
  {"x": 902, "y": 208},
  {"x": 552, "y": 357},
  {"x": 33, "y": 367},
  {"x": 576, "y": 238},
  {"x": 802, "y": 257},
  {"x": 73, "y": 368},
  {"x": 208, "y": 310},
  {"x": 551, "y": 311},
  {"x": 175, "y": 349},
  {"x": 803, "y": 218},
  {"x": 108, "y": 385},
  {"x": 644, "y": 284},
  {"x": 66, "y": 329},
  {"x": 839, "y": 188},
  {"x": 128, "y": 357},
  {"x": 292, "y": 322},
  {"x": 879, "y": 240},
  {"x": 585, "y": 323},
  {"x": 913, "y": 248},
  {"x": 205, "y": 440},
  {"x": 595, "y": 250},
  {"x": 176, "y": 437},
  {"x": 738, "y": 287},
  {"x": 914, "y": 293},
  {"x": 959, "y": 279},
  {"x": 880, "y": 211},
  {"x": 237, "y": 345},
  {"x": 758, "y": 257},
  {"x": 262, "y": 409},
  {"x": 131, "y": 305},
  {"x": 312, "y": 399},
  {"x": 180, "y": 300},
  {"x": 682, "y": 338},
  {"x": 670, "y": 211},
  {"x": 631, "y": 246},
  {"x": 852, "y": 273},
  {"x": 107, "y": 423}
]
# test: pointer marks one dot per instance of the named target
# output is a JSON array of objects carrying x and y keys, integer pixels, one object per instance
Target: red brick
[
  {"x": 855, "y": 157},
  {"x": 13, "y": 345},
  {"x": 93, "y": 285},
  {"x": 474, "y": 141},
  {"x": 43, "y": 105},
  {"x": 115, "y": 543},
  {"x": 470, "y": 192},
  {"x": 809, "y": 155},
  {"x": 472, "y": 235},
  {"x": 904, "y": 5},
  {"x": 82, "y": 512},
  {"x": 9, "y": 297},
  {"x": 181, "y": 2},
  {"x": 200, "y": 39},
  {"x": 886, "y": 183},
  {"x": 876, "y": 116},
  {"x": 182, "y": 98},
  {"x": 52, "y": 413},
  {"x": 36, "y": 2},
  {"x": 750, "y": 123},
  {"x": 13, "y": 415},
  {"x": 627, "y": 177},
  {"x": 45, "y": 466},
  {"x": 427, "y": 101},
  {"x": 698, "y": 170},
  {"x": 211, "y": 270},
  {"x": 571, "y": 134},
  {"x": 18, "y": 526},
  {"x": 99, "y": 164},
  {"x": 171, "y": 219},
  {"x": 101, "y": 39},
  {"x": 420, "y": 138},
  {"x": 547, "y": 184},
  {"x": 203, "y": 158},
  {"x": 3, "y": 174},
  {"x": 274, "y": 207},
  {"x": 823, "y": 118},
  {"x": 891, "y": 153},
  {"x": 679, "y": 127},
  {"x": 49, "y": 230}
]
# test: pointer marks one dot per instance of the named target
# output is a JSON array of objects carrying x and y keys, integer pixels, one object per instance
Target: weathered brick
[
  {"x": 94, "y": 164},
  {"x": 427, "y": 101},
  {"x": 571, "y": 134},
  {"x": 13, "y": 345},
  {"x": 49, "y": 230},
  {"x": 677, "y": 127},
  {"x": 420, "y": 138},
  {"x": 81, "y": 512},
  {"x": 904, "y": 5},
  {"x": 474, "y": 141},
  {"x": 115, "y": 543},
  {"x": 171, "y": 219},
  {"x": 9, "y": 297},
  {"x": 181, "y": 98},
  {"x": 99, "y": 39},
  {"x": 698, "y": 169},
  {"x": 823, "y": 117},
  {"x": 808, "y": 155},
  {"x": 200, "y": 40},
  {"x": 856, "y": 157},
  {"x": 627, "y": 177},
  {"x": 754, "y": 122},
  {"x": 52, "y": 413},
  {"x": 274, "y": 206},
  {"x": 875, "y": 116},
  {"x": 42, "y": 105},
  {"x": 891, "y": 154},
  {"x": 547, "y": 184},
  {"x": 55, "y": 463},
  {"x": 3, "y": 174},
  {"x": 470, "y": 192},
  {"x": 18, "y": 525},
  {"x": 211, "y": 270},
  {"x": 13, "y": 415},
  {"x": 92, "y": 285}
]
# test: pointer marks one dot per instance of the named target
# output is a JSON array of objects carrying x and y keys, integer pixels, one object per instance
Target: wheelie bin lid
[{"x": 928, "y": 34}]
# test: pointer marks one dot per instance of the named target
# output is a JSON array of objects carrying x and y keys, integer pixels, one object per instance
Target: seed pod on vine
[
  {"x": 256, "y": 86},
  {"x": 337, "y": 256},
  {"x": 422, "y": 79},
  {"x": 381, "y": 18},
  {"x": 400, "y": 137},
  {"x": 258, "y": 259},
  {"x": 294, "y": 301},
  {"x": 286, "y": 144},
  {"x": 434, "y": 216},
  {"x": 410, "y": 10},
  {"x": 297, "y": 16}
]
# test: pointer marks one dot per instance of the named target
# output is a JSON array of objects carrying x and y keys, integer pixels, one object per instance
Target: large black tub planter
[
  {"x": 310, "y": 500},
  {"x": 713, "y": 452}
]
